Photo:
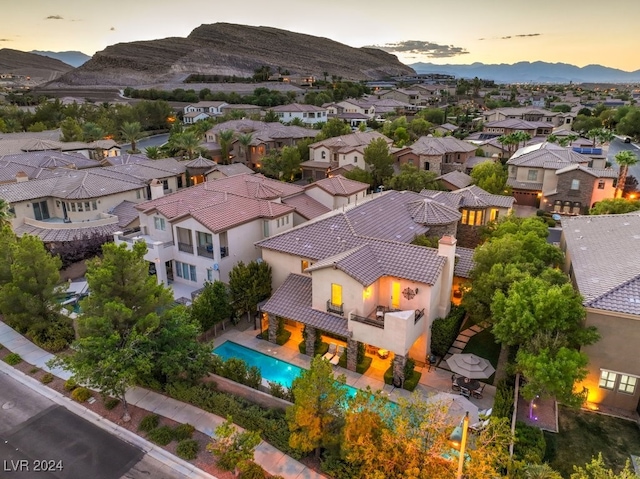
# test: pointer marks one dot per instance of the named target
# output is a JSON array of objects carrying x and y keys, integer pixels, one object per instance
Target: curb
[{"x": 179, "y": 465}]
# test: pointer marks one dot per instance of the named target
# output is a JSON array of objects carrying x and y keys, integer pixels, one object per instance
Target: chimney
[
  {"x": 157, "y": 189},
  {"x": 21, "y": 177},
  {"x": 447, "y": 249}
]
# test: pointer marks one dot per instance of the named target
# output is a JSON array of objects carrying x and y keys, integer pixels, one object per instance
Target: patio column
[
  {"x": 273, "y": 327},
  {"x": 398, "y": 370},
  {"x": 352, "y": 354},
  {"x": 311, "y": 340}
]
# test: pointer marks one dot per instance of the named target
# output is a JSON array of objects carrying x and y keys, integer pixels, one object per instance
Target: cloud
[
  {"x": 521, "y": 35},
  {"x": 54, "y": 17},
  {"x": 112, "y": 29},
  {"x": 419, "y": 47},
  {"x": 6, "y": 40}
]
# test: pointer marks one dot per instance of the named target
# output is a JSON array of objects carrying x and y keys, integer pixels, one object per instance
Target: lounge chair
[
  {"x": 485, "y": 413},
  {"x": 336, "y": 359},
  {"x": 331, "y": 352},
  {"x": 478, "y": 392},
  {"x": 479, "y": 426}
]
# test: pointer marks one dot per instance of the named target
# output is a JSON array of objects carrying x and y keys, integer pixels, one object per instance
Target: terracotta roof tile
[
  {"x": 306, "y": 206},
  {"x": 338, "y": 185}
]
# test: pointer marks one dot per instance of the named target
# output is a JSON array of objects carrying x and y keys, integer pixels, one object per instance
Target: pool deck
[{"x": 435, "y": 381}]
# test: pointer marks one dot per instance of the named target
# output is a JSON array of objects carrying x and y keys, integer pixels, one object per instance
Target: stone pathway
[{"x": 459, "y": 344}]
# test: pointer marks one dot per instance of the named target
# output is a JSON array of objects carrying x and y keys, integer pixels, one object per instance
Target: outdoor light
[{"x": 459, "y": 439}]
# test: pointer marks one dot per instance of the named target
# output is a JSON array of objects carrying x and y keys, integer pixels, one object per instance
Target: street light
[{"x": 459, "y": 439}]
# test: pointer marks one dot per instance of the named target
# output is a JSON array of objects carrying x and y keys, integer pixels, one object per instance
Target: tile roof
[
  {"x": 456, "y": 178},
  {"x": 597, "y": 173},
  {"x": 338, "y": 185},
  {"x": 428, "y": 211},
  {"x": 200, "y": 162},
  {"x": 297, "y": 107},
  {"x": 515, "y": 123},
  {"x": 67, "y": 234},
  {"x": 150, "y": 169},
  {"x": 359, "y": 138},
  {"x": 255, "y": 186},
  {"x": 475, "y": 161},
  {"x": 126, "y": 213},
  {"x": 524, "y": 185},
  {"x": 316, "y": 164},
  {"x": 369, "y": 262},
  {"x": 540, "y": 153},
  {"x": 266, "y": 131},
  {"x": 476, "y": 197},
  {"x": 306, "y": 206},
  {"x": 432, "y": 146},
  {"x": 464, "y": 262},
  {"x": 216, "y": 210},
  {"x": 293, "y": 300},
  {"x": 232, "y": 170},
  {"x": 605, "y": 259}
]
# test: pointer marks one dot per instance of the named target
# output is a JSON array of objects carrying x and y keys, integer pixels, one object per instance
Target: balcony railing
[
  {"x": 224, "y": 251},
  {"x": 335, "y": 308},
  {"x": 419, "y": 315},
  {"x": 377, "y": 322},
  {"x": 185, "y": 247},
  {"x": 206, "y": 251}
]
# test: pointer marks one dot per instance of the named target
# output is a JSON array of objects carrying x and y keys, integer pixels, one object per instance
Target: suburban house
[
  {"x": 359, "y": 111},
  {"x": 264, "y": 137},
  {"x": 558, "y": 179},
  {"x": 524, "y": 113},
  {"x": 603, "y": 260},
  {"x": 454, "y": 180},
  {"x": 446, "y": 129},
  {"x": 194, "y": 117},
  {"x": 440, "y": 155},
  {"x": 344, "y": 152},
  {"x": 17, "y": 167},
  {"x": 514, "y": 125},
  {"x": 309, "y": 114},
  {"x": 413, "y": 97},
  {"x": 224, "y": 171},
  {"x": 337, "y": 191},
  {"x": 202, "y": 111},
  {"x": 198, "y": 234},
  {"x": 49, "y": 140}
]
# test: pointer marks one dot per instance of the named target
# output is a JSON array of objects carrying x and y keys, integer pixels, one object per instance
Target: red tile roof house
[
  {"x": 354, "y": 274},
  {"x": 199, "y": 234},
  {"x": 440, "y": 155}
]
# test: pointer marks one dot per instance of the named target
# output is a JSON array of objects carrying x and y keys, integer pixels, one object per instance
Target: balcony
[
  {"x": 377, "y": 322},
  {"x": 185, "y": 247},
  {"x": 335, "y": 308},
  {"x": 206, "y": 251}
]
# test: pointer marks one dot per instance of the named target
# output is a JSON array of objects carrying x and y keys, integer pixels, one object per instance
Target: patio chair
[
  {"x": 485, "y": 413},
  {"x": 465, "y": 392},
  {"x": 454, "y": 384},
  {"x": 477, "y": 393},
  {"x": 479, "y": 426},
  {"x": 331, "y": 352},
  {"x": 336, "y": 359}
]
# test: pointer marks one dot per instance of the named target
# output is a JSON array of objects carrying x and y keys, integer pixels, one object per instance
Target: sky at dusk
[{"x": 579, "y": 32}]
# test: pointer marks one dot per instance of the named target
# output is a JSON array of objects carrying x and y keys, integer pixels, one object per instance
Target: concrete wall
[{"x": 253, "y": 395}]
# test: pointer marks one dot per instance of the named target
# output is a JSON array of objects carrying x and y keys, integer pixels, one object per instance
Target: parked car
[{"x": 627, "y": 139}]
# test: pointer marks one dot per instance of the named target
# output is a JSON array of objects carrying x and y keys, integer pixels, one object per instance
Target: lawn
[
  {"x": 584, "y": 434},
  {"x": 484, "y": 345}
]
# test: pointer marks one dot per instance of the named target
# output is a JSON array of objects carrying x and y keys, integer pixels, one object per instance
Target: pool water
[{"x": 272, "y": 369}]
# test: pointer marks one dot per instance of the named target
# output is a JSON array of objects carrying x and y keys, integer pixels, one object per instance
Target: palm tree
[
  {"x": 552, "y": 138},
  {"x": 131, "y": 131},
  {"x": 245, "y": 140},
  {"x": 5, "y": 213},
  {"x": 92, "y": 132},
  {"x": 541, "y": 471},
  {"x": 224, "y": 138},
  {"x": 152, "y": 152},
  {"x": 624, "y": 159},
  {"x": 187, "y": 143},
  {"x": 508, "y": 141}
]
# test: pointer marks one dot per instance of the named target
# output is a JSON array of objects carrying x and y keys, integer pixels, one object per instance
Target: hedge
[
  {"x": 444, "y": 331},
  {"x": 530, "y": 445},
  {"x": 361, "y": 367},
  {"x": 237, "y": 370},
  {"x": 281, "y": 338},
  {"x": 503, "y": 401}
]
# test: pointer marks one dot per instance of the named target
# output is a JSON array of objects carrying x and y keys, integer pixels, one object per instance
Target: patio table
[{"x": 470, "y": 384}]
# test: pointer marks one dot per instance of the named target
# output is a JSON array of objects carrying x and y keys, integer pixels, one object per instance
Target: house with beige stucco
[
  {"x": 602, "y": 259},
  {"x": 440, "y": 155}
]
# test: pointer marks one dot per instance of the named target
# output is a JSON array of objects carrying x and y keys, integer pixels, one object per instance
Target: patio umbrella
[
  {"x": 456, "y": 405},
  {"x": 470, "y": 366}
]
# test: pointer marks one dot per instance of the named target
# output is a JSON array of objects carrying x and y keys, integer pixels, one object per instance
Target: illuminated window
[
  {"x": 607, "y": 379},
  {"x": 627, "y": 384},
  {"x": 304, "y": 264},
  {"x": 395, "y": 295},
  {"x": 472, "y": 217},
  {"x": 336, "y": 294},
  {"x": 494, "y": 214},
  {"x": 464, "y": 217}
]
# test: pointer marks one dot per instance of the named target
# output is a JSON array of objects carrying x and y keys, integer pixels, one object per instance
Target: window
[
  {"x": 80, "y": 206},
  {"x": 179, "y": 181},
  {"x": 336, "y": 294},
  {"x": 210, "y": 275},
  {"x": 427, "y": 165},
  {"x": 494, "y": 214},
  {"x": 607, "y": 379},
  {"x": 464, "y": 217},
  {"x": 186, "y": 271},
  {"x": 87, "y": 206},
  {"x": 265, "y": 228},
  {"x": 601, "y": 185},
  {"x": 575, "y": 184},
  {"x": 165, "y": 184},
  {"x": 627, "y": 384},
  {"x": 323, "y": 155},
  {"x": 159, "y": 223},
  {"x": 73, "y": 207},
  {"x": 94, "y": 205},
  {"x": 138, "y": 194},
  {"x": 355, "y": 159},
  {"x": 41, "y": 210},
  {"x": 532, "y": 175},
  {"x": 304, "y": 264},
  {"x": 395, "y": 295}
]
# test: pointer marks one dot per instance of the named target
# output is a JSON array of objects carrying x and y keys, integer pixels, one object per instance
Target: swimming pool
[{"x": 272, "y": 369}]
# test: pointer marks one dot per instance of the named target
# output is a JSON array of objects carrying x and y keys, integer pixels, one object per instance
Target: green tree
[
  {"x": 284, "y": 165},
  {"x": 234, "y": 449},
  {"x": 491, "y": 177},
  {"x": 8, "y": 241},
  {"x": 92, "y": 132},
  {"x": 630, "y": 123},
  {"x": 433, "y": 115},
  {"x": 419, "y": 127},
  {"x": 379, "y": 161},
  {"x": 225, "y": 138},
  {"x": 358, "y": 174},
  {"x": 334, "y": 127},
  {"x": 245, "y": 141},
  {"x": 562, "y": 108},
  {"x": 212, "y": 305},
  {"x": 583, "y": 123},
  {"x": 509, "y": 142},
  {"x": 5, "y": 213},
  {"x": 303, "y": 148},
  {"x": 131, "y": 131},
  {"x": 412, "y": 179},
  {"x": 271, "y": 117},
  {"x": 248, "y": 285},
  {"x": 316, "y": 416},
  {"x": 187, "y": 143},
  {"x": 615, "y": 206},
  {"x": 596, "y": 469},
  {"x": 624, "y": 159}
]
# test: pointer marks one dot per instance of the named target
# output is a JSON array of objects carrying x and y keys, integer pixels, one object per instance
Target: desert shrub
[
  {"x": 47, "y": 378},
  {"x": 33, "y": 370},
  {"x": 111, "y": 403},
  {"x": 80, "y": 394},
  {"x": 149, "y": 422},
  {"x": 70, "y": 384},
  {"x": 53, "y": 336},
  {"x": 188, "y": 449},
  {"x": 12, "y": 359},
  {"x": 162, "y": 435},
  {"x": 530, "y": 444},
  {"x": 444, "y": 331},
  {"x": 251, "y": 470},
  {"x": 183, "y": 432}
]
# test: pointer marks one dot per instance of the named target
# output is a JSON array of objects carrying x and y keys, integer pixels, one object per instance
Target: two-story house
[
  {"x": 514, "y": 125},
  {"x": 603, "y": 260},
  {"x": 355, "y": 275},
  {"x": 440, "y": 155},
  {"x": 524, "y": 113},
  {"x": 308, "y": 114},
  {"x": 202, "y": 110}
]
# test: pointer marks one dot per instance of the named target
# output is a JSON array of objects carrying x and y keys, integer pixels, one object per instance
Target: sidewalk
[{"x": 271, "y": 459}]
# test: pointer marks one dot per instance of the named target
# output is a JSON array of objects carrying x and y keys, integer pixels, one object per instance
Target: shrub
[
  {"x": 12, "y": 359},
  {"x": 362, "y": 366},
  {"x": 444, "y": 331},
  {"x": 530, "y": 445},
  {"x": 321, "y": 348},
  {"x": 81, "y": 394},
  {"x": 503, "y": 402},
  {"x": 70, "y": 384},
  {"x": 111, "y": 403},
  {"x": 302, "y": 347},
  {"x": 388, "y": 375},
  {"x": 410, "y": 382},
  {"x": 53, "y": 336},
  {"x": 279, "y": 391},
  {"x": 251, "y": 470},
  {"x": 283, "y": 337},
  {"x": 183, "y": 432},
  {"x": 162, "y": 435},
  {"x": 188, "y": 449},
  {"x": 149, "y": 422},
  {"x": 47, "y": 378},
  {"x": 33, "y": 370}
]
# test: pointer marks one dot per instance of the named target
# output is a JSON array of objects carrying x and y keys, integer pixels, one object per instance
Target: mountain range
[
  {"x": 534, "y": 72},
  {"x": 73, "y": 58},
  {"x": 39, "y": 68}
]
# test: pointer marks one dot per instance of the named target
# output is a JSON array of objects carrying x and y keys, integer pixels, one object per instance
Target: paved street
[
  {"x": 618, "y": 145},
  {"x": 156, "y": 140},
  {"x": 34, "y": 429}
]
